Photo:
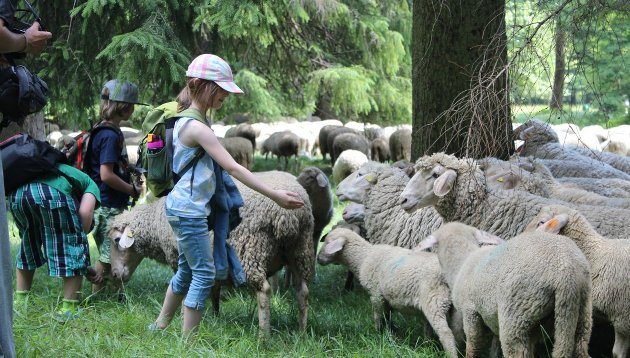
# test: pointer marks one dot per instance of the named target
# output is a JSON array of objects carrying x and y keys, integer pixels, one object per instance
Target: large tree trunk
[
  {"x": 33, "y": 125},
  {"x": 559, "y": 72},
  {"x": 459, "y": 55}
]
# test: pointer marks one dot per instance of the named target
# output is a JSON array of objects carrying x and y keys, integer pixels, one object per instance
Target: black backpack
[{"x": 25, "y": 159}]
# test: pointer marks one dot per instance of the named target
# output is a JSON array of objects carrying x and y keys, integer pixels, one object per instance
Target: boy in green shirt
[{"x": 54, "y": 215}]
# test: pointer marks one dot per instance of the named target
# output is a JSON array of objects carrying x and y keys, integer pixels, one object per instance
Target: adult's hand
[{"x": 36, "y": 39}]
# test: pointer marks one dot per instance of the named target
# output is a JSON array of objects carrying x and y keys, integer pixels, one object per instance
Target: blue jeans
[{"x": 195, "y": 265}]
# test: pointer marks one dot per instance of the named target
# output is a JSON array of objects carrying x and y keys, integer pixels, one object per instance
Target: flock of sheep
[{"x": 488, "y": 251}]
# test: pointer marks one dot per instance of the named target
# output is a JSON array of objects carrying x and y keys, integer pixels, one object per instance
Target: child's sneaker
[{"x": 68, "y": 312}]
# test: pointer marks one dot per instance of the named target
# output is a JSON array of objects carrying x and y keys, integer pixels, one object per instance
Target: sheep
[
  {"x": 510, "y": 288},
  {"x": 582, "y": 169},
  {"x": 316, "y": 184},
  {"x": 243, "y": 130},
  {"x": 268, "y": 238},
  {"x": 347, "y": 141},
  {"x": 240, "y": 149},
  {"x": 542, "y": 142},
  {"x": 505, "y": 175},
  {"x": 400, "y": 145},
  {"x": 282, "y": 144},
  {"x": 330, "y": 140},
  {"x": 612, "y": 188},
  {"x": 323, "y": 138},
  {"x": 53, "y": 137},
  {"x": 348, "y": 162},
  {"x": 395, "y": 278},
  {"x": 379, "y": 149},
  {"x": 378, "y": 186},
  {"x": 610, "y": 268},
  {"x": 458, "y": 190}
]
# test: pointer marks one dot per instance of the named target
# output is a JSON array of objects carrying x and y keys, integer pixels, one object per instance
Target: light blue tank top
[{"x": 183, "y": 200}]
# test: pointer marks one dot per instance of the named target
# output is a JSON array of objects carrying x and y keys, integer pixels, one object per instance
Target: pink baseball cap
[{"x": 213, "y": 68}]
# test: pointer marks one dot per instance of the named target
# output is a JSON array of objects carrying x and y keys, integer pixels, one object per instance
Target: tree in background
[
  {"x": 292, "y": 57},
  {"x": 557, "y": 91},
  {"x": 460, "y": 92}
]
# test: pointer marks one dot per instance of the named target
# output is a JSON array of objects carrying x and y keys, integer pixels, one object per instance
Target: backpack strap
[{"x": 169, "y": 126}]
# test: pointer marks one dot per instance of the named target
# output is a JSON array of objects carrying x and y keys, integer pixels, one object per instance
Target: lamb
[
  {"x": 610, "y": 268},
  {"x": 378, "y": 187},
  {"x": 282, "y": 144},
  {"x": 323, "y": 138},
  {"x": 347, "y": 141},
  {"x": 243, "y": 130},
  {"x": 458, "y": 190},
  {"x": 268, "y": 238},
  {"x": 400, "y": 144},
  {"x": 512, "y": 288},
  {"x": 240, "y": 149},
  {"x": 418, "y": 284},
  {"x": 316, "y": 184},
  {"x": 379, "y": 149},
  {"x": 542, "y": 142},
  {"x": 348, "y": 162}
]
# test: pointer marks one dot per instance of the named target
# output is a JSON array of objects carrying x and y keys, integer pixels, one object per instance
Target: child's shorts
[{"x": 50, "y": 229}]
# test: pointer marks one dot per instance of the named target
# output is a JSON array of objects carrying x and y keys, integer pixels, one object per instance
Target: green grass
[
  {"x": 570, "y": 114},
  {"x": 339, "y": 324}
]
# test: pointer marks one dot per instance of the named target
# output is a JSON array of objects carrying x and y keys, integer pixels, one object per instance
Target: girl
[{"x": 209, "y": 82}]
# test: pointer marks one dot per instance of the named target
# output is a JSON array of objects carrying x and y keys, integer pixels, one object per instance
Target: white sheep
[
  {"x": 610, "y": 268},
  {"x": 395, "y": 278},
  {"x": 512, "y": 288},
  {"x": 348, "y": 162}
]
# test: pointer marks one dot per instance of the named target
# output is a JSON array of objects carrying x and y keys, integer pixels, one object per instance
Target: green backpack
[{"x": 155, "y": 151}]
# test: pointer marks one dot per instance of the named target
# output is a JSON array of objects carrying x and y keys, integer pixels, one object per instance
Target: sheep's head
[
  {"x": 125, "y": 259},
  {"x": 535, "y": 131},
  {"x": 313, "y": 179},
  {"x": 551, "y": 219},
  {"x": 356, "y": 186},
  {"x": 435, "y": 177},
  {"x": 334, "y": 242},
  {"x": 354, "y": 213},
  {"x": 455, "y": 231},
  {"x": 501, "y": 175}
]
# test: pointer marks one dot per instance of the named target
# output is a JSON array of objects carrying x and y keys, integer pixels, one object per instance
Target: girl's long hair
[{"x": 197, "y": 89}]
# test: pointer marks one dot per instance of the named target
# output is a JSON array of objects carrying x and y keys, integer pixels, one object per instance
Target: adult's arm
[
  {"x": 32, "y": 41},
  {"x": 201, "y": 134}
]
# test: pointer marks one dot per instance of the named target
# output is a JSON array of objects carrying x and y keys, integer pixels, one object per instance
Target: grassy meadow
[{"x": 339, "y": 324}]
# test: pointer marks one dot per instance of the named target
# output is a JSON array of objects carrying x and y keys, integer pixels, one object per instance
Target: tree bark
[
  {"x": 458, "y": 46},
  {"x": 559, "y": 72},
  {"x": 33, "y": 125}
]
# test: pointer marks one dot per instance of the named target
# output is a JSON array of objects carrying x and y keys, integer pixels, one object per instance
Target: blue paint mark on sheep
[
  {"x": 397, "y": 263},
  {"x": 498, "y": 251}
]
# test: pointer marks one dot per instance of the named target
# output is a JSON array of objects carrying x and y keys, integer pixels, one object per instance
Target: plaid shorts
[
  {"x": 102, "y": 217},
  {"x": 50, "y": 229}
]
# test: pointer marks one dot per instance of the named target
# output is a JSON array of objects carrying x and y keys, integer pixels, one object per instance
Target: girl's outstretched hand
[{"x": 288, "y": 199}]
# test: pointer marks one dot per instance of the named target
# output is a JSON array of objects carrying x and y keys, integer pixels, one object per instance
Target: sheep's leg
[
  {"x": 515, "y": 335},
  {"x": 378, "y": 312},
  {"x": 584, "y": 328},
  {"x": 622, "y": 344},
  {"x": 436, "y": 316},
  {"x": 302, "y": 298},
  {"x": 216, "y": 298},
  {"x": 264, "y": 300},
  {"x": 475, "y": 334}
]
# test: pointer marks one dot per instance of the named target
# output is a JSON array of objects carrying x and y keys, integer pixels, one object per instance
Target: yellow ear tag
[
  {"x": 500, "y": 180},
  {"x": 370, "y": 178}
]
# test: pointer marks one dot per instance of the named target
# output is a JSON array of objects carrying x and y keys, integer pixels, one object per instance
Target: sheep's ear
[
  {"x": 487, "y": 238},
  {"x": 444, "y": 183},
  {"x": 555, "y": 224},
  {"x": 526, "y": 133},
  {"x": 509, "y": 181},
  {"x": 426, "y": 244},
  {"x": 126, "y": 240},
  {"x": 334, "y": 246},
  {"x": 322, "y": 181}
]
